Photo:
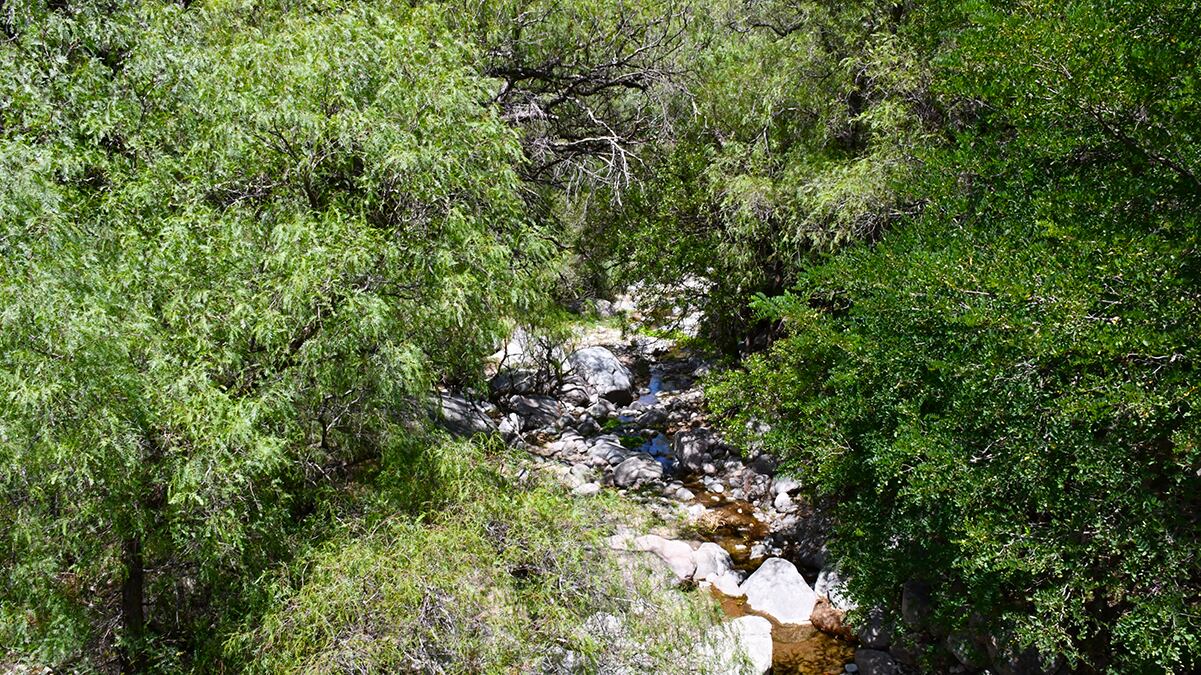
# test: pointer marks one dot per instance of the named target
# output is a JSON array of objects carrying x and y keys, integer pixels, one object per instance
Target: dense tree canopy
[
  {"x": 237, "y": 246},
  {"x": 802, "y": 119},
  {"x": 1000, "y": 391},
  {"x": 240, "y": 242}
]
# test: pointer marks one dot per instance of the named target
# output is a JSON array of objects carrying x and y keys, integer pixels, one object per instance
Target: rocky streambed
[{"x": 628, "y": 415}]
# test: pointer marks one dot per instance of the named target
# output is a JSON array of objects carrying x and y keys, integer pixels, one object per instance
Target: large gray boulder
[
  {"x": 604, "y": 374},
  {"x": 740, "y": 646},
  {"x": 536, "y": 411},
  {"x": 514, "y": 381},
  {"x": 637, "y": 470},
  {"x": 609, "y": 450},
  {"x": 463, "y": 417},
  {"x": 693, "y": 448},
  {"x": 778, "y": 590},
  {"x": 575, "y": 393}
]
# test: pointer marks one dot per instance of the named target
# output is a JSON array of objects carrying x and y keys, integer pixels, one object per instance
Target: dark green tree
[{"x": 1000, "y": 393}]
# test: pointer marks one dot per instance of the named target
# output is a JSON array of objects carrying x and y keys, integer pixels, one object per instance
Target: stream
[{"x": 725, "y": 500}]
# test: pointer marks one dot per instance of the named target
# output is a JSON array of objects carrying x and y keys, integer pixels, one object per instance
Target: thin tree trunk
[{"x": 132, "y": 606}]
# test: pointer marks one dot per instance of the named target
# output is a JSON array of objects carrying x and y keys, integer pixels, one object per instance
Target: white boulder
[
  {"x": 712, "y": 561},
  {"x": 677, "y": 554},
  {"x": 778, "y": 590},
  {"x": 740, "y": 646}
]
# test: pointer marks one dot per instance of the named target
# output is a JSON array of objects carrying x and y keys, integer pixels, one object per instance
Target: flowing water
[
  {"x": 796, "y": 650},
  {"x": 659, "y": 447},
  {"x": 656, "y": 385},
  {"x": 733, "y": 525}
]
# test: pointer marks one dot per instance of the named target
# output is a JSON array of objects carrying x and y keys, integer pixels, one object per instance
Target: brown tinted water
[
  {"x": 731, "y": 524},
  {"x": 796, "y": 650}
]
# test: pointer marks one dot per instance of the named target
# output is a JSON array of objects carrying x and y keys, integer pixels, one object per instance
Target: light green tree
[{"x": 239, "y": 243}]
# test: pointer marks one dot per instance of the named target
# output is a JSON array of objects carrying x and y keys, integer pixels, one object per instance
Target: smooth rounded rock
[
  {"x": 637, "y": 470},
  {"x": 604, "y": 374},
  {"x": 587, "y": 490},
  {"x": 728, "y": 584},
  {"x": 738, "y": 646},
  {"x": 783, "y": 503},
  {"x": 536, "y": 411},
  {"x": 677, "y": 554},
  {"x": 785, "y": 485},
  {"x": 712, "y": 561},
  {"x": 778, "y": 590}
]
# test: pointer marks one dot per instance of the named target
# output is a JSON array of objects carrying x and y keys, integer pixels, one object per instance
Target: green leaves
[
  {"x": 799, "y": 126},
  {"x": 235, "y": 260},
  {"x": 995, "y": 391}
]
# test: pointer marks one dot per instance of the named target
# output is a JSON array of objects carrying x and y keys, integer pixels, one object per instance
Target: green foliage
[
  {"x": 999, "y": 394},
  {"x": 799, "y": 122},
  {"x": 238, "y": 245},
  {"x": 500, "y": 577},
  {"x": 239, "y": 241}
]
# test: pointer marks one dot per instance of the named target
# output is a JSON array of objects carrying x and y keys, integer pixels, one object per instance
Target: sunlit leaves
[
  {"x": 1000, "y": 393},
  {"x": 240, "y": 244}
]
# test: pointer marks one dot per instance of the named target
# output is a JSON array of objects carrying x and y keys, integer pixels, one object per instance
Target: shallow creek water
[
  {"x": 796, "y": 650},
  {"x": 732, "y": 524},
  {"x": 655, "y": 386}
]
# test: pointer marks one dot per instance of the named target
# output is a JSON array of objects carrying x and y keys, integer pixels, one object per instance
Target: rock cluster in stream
[
  {"x": 656, "y": 445},
  {"x": 584, "y": 417},
  {"x": 581, "y": 413}
]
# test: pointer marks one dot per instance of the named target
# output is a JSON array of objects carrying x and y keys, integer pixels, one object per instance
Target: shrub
[
  {"x": 999, "y": 394},
  {"x": 502, "y": 574},
  {"x": 238, "y": 245}
]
